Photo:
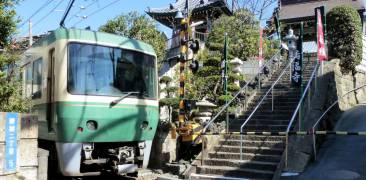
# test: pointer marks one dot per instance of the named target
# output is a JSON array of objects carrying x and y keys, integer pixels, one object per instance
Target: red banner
[
  {"x": 260, "y": 55},
  {"x": 321, "y": 45}
]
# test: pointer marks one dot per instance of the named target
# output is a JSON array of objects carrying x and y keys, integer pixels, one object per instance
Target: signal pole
[{"x": 184, "y": 38}]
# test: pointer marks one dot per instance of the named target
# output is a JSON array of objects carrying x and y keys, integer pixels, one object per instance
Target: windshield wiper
[{"x": 122, "y": 97}]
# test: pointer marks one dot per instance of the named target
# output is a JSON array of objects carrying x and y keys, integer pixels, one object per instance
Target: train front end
[{"x": 107, "y": 107}]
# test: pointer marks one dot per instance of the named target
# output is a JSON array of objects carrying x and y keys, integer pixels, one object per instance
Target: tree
[
  {"x": 140, "y": 27},
  {"x": 345, "y": 36},
  {"x": 243, "y": 35},
  {"x": 7, "y": 21},
  {"x": 10, "y": 84},
  {"x": 256, "y": 7}
]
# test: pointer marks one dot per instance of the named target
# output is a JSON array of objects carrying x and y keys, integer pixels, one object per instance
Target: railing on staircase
[
  {"x": 270, "y": 90},
  {"x": 297, "y": 113},
  {"x": 271, "y": 64},
  {"x": 326, "y": 111}
]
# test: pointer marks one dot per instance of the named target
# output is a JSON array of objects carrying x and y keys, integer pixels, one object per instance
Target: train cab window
[
  {"x": 37, "y": 79},
  {"x": 107, "y": 71}
]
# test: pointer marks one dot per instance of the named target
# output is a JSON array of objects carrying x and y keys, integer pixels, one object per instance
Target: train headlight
[
  {"x": 144, "y": 125},
  {"x": 92, "y": 125}
]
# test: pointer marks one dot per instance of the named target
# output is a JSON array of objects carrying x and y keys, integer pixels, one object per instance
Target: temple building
[
  {"x": 292, "y": 12},
  {"x": 203, "y": 13}
]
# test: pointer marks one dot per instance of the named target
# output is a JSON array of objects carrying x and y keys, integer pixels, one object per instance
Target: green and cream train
[{"x": 95, "y": 95}]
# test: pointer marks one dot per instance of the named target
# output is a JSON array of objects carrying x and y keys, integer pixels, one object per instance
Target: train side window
[
  {"x": 28, "y": 80},
  {"x": 37, "y": 79}
]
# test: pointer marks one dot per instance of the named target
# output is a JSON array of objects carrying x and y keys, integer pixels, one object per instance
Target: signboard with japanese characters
[
  {"x": 11, "y": 133},
  {"x": 296, "y": 76}
]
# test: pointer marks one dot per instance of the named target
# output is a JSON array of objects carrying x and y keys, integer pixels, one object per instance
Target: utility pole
[{"x": 30, "y": 33}]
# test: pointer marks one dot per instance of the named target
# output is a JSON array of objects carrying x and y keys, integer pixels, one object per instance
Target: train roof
[{"x": 95, "y": 37}]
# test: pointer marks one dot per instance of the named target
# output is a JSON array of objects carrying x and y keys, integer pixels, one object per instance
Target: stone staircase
[{"x": 261, "y": 153}]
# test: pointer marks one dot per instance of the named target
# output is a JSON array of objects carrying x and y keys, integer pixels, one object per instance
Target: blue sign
[{"x": 11, "y": 128}]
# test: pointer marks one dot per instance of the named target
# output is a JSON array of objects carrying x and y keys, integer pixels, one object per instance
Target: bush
[{"x": 345, "y": 36}]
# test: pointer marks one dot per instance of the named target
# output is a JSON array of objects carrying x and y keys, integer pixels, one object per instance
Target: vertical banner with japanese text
[
  {"x": 322, "y": 55},
  {"x": 11, "y": 129},
  {"x": 260, "y": 54},
  {"x": 296, "y": 77}
]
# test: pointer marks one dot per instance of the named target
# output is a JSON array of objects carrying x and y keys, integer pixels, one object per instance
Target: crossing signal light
[
  {"x": 195, "y": 46},
  {"x": 195, "y": 66}
]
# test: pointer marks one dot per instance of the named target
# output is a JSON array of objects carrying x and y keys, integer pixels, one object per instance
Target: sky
[
  {"x": 84, "y": 13},
  {"x": 50, "y": 16}
]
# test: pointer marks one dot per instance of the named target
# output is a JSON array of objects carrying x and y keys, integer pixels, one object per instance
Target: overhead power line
[
  {"x": 75, "y": 14},
  {"x": 51, "y": 11},
  {"x": 45, "y": 16},
  {"x": 36, "y": 12},
  {"x": 95, "y": 12}
]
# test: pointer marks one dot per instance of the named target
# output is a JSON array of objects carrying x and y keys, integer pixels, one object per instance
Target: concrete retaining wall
[{"x": 18, "y": 146}]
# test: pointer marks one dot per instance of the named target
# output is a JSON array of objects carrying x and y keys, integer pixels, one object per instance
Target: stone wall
[
  {"x": 164, "y": 146},
  {"x": 25, "y": 147},
  {"x": 331, "y": 85},
  {"x": 348, "y": 82}
]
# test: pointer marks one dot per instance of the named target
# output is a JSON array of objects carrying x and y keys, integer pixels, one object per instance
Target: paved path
[{"x": 342, "y": 157}]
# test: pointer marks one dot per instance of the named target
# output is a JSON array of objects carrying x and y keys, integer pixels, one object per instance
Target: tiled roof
[
  {"x": 166, "y": 15},
  {"x": 180, "y": 5},
  {"x": 301, "y": 10}
]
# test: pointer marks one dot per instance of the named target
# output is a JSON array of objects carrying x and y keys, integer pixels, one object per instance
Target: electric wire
[
  {"x": 95, "y": 12},
  {"x": 36, "y": 12},
  {"x": 45, "y": 16},
  {"x": 75, "y": 14}
]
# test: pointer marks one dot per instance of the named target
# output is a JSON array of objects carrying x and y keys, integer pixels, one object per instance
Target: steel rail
[
  {"x": 303, "y": 97},
  {"x": 305, "y": 92},
  {"x": 334, "y": 103},
  {"x": 260, "y": 103},
  {"x": 326, "y": 111}
]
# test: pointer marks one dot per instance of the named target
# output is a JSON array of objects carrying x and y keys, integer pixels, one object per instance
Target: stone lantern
[
  {"x": 291, "y": 40},
  {"x": 236, "y": 65},
  {"x": 204, "y": 113}
]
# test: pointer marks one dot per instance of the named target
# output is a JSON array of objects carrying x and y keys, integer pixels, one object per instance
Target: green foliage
[
  {"x": 172, "y": 102},
  {"x": 165, "y": 79},
  {"x": 10, "y": 84},
  {"x": 140, "y": 27},
  {"x": 243, "y": 35},
  {"x": 224, "y": 98},
  {"x": 171, "y": 89},
  {"x": 345, "y": 36},
  {"x": 8, "y": 22}
]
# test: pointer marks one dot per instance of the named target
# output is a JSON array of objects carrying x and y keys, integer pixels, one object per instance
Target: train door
[{"x": 50, "y": 91}]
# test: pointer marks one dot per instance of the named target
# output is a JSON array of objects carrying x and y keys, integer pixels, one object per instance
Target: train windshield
[{"x": 107, "y": 71}]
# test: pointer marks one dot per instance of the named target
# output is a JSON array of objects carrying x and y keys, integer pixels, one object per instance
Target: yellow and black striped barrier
[{"x": 345, "y": 133}]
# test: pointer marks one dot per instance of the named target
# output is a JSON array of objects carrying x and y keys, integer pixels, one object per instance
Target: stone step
[
  {"x": 246, "y": 149},
  {"x": 216, "y": 177},
  {"x": 263, "y": 116},
  {"x": 235, "y": 172},
  {"x": 245, "y": 156},
  {"x": 265, "y": 127},
  {"x": 291, "y": 94},
  {"x": 255, "y": 137},
  {"x": 269, "y": 106},
  {"x": 250, "y": 143},
  {"x": 276, "y": 111},
  {"x": 275, "y": 103},
  {"x": 254, "y": 121},
  {"x": 261, "y": 165}
]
